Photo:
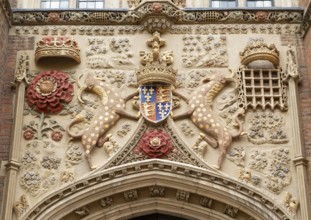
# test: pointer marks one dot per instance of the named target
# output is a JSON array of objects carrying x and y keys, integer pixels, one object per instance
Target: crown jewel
[
  {"x": 257, "y": 49},
  {"x": 57, "y": 46},
  {"x": 156, "y": 65}
]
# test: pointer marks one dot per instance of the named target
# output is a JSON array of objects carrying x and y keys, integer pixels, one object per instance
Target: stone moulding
[
  {"x": 49, "y": 207},
  {"x": 168, "y": 12},
  {"x": 57, "y": 47}
]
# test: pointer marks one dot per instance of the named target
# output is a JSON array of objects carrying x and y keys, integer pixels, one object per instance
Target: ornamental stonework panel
[{"x": 193, "y": 95}]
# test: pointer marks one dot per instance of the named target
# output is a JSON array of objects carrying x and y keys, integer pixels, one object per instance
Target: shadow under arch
[{"x": 156, "y": 186}]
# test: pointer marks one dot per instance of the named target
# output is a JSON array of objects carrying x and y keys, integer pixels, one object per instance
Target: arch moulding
[{"x": 156, "y": 186}]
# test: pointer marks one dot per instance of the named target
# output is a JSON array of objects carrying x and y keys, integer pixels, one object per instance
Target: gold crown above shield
[
  {"x": 257, "y": 49},
  {"x": 156, "y": 65},
  {"x": 57, "y": 46}
]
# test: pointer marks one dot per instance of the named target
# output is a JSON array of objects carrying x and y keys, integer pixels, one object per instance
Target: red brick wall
[
  {"x": 9, "y": 45},
  {"x": 5, "y": 125},
  {"x": 305, "y": 97}
]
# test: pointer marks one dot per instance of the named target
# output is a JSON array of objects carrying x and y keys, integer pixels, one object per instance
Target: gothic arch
[{"x": 156, "y": 186}]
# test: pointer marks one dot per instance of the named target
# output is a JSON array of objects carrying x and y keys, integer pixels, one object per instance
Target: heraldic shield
[{"x": 155, "y": 102}]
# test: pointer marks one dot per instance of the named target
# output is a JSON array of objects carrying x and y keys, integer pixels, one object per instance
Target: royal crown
[
  {"x": 257, "y": 49},
  {"x": 58, "y": 46},
  {"x": 156, "y": 73},
  {"x": 156, "y": 65}
]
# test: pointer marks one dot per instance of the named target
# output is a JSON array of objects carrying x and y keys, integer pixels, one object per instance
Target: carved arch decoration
[{"x": 156, "y": 186}]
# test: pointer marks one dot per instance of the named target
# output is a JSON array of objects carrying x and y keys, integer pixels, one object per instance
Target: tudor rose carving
[{"x": 111, "y": 108}]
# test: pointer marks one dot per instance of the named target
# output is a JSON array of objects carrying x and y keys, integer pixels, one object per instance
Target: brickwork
[
  {"x": 305, "y": 96},
  {"x": 8, "y": 50},
  {"x": 6, "y": 123}
]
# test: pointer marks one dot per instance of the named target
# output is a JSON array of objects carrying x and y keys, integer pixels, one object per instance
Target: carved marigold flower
[
  {"x": 56, "y": 136},
  {"x": 48, "y": 90},
  {"x": 155, "y": 144},
  {"x": 28, "y": 134}
]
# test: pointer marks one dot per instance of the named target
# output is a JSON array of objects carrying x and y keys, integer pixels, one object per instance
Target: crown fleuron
[
  {"x": 257, "y": 49},
  {"x": 57, "y": 46},
  {"x": 156, "y": 65}
]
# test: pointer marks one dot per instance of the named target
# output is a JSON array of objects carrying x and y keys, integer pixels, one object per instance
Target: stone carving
[
  {"x": 156, "y": 65},
  {"x": 231, "y": 211},
  {"x": 186, "y": 129},
  {"x": 49, "y": 90},
  {"x": 83, "y": 211},
  {"x": 279, "y": 169},
  {"x": 131, "y": 195},
  {"x": 257, "y": 49},
  {"x": 74, "y": 155},
  {"x": 164, "y": 8},
  {"x": 262, "y": 88},
  {"x": 292, "y": 64},
  {"x": 158, "y": 23},
  {"x": 67, "y": 177},
  {"x": 228, "y": 108},
  {"x": 49, "y": 181},
  {"x": 205, "y": 51},
  {"x": 22, "y": 68},
  {"x": 50, "y": 162},
  {"x": 58, "y": 46},
  {"x": 206, "y": 202},
  {"x": 110, "y": 145},
  {"x": 104, "y": 54},
  {"x": 157, "y": 191},
  {"x": 116, "y": 77},
  {"x": 258, "y": 160},
  {"x": 200, "y": 145},
  {"x": 237, "y": 155},
  {"x": 40, "y": 130},
  {"x": 125, "y": 129},
  {"x": 275, "y": 167},
  {"x": 111, "y": 108},
  {"x": 129, "y": 29},
  {"x": 247, "y": 177},
  {"x": 201, "y": 113},
  {"x": 267, "y": 128},
  {"x": 291, "y": 203},
  {"x": 29, "y": 159},
  {"x": 21, "y": 206},
  {"x": 155, "y": 144},
  {"x": 31, "y": 182},
  {"x": 105, "y": 202},
  {"x": 182, "y": 195},
  {"x": 175, "y": 29},
  {"x": 133, "y": 3},
  {"x": 180, "y": 3}
]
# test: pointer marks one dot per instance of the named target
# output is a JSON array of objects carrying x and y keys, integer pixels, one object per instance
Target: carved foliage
[
  {"x": 108, "y": 53},
  {"x": 275, "y": 167},
  {"x": 267, "y": 128},
  {"x": 21, "y": 206},
  {"x": 204, "y": 51},
  {"x": 291, "y": 203}
]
